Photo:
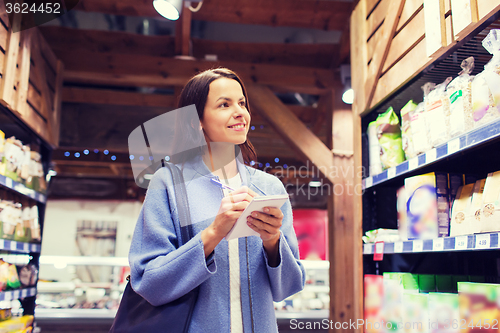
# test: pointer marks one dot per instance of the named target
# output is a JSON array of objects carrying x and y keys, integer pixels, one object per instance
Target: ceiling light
[
  {"x": 348, "y": 96},
  {"x": 170, "y": 9}
]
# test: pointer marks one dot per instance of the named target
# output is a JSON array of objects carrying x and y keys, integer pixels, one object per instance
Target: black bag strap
[{"x": 181, "y": 200}]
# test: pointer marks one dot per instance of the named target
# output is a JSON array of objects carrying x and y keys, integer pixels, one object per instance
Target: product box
[
  {"x": 443, "y": 311},
  {"x": 455, "y": 180},
  {"x": 374, "y": 301},
  {"x": 427, "y": 206},
  {"x": 426, "y": 283},
  {"x": 461, "y": 204},
  {"x": 444, "y": 284},
  {"x": 395, "y": 285},
  {"x": 402, "y": 218},
  {"x": 490, "y": 214},
  {"x": 473, "y": 214},
  {"x": 415, "y": 312},
  {"x": 479, "y": 306}
]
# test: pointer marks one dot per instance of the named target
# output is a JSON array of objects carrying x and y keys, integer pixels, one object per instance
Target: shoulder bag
[{"x": 135, "y": 314}]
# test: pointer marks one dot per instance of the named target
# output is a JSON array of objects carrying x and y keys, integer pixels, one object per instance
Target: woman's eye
[
  {"x": 243, "y": 104},
  {"x": 224, "y": 105}
]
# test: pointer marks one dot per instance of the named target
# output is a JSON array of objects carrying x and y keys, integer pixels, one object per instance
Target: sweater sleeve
[
  {"x": 288, "y": 277},
  {"x": 160, "y": 270}
]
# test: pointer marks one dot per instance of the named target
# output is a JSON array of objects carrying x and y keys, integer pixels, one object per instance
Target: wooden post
[{"x": 346, "y": 268}]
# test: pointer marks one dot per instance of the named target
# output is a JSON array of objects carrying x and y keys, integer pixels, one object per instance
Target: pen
[{"x": 218, "y": 183}]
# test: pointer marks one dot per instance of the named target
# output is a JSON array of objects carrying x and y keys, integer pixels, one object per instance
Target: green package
[{"x": 389, "y": 139}]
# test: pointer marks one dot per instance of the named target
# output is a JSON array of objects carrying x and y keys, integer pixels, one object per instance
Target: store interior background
[{"x": 92, "y": 184}]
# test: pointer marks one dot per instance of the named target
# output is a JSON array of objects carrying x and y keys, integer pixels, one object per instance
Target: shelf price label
[
  {"x": 367, "y": 248},
  {"x": 398, "y": 247},
  {"x": 413, "y": 163},
  {"x": 13, "y": 246},
  {"x": 368, "y": 182},
  {"x": 33, "y": 248},
  {"x": 438, "y": 244},
  {"x": 461, "y": 243},
  {"x": 378, "y": 254},
  {"x": 418, "y": 245},
  {"x": 8, "y": 182},
  {"x": 26, "y": 247},
  {"x": 24, "y": 293},
  {"x": 482, "y": 241},
  {"x": 453, "y": 146},
  {"x": 391, "y": 173},
  {"x": 431, "y": 155}
]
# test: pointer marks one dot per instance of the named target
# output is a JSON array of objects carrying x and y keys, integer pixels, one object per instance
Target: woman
[{"x": 238, "y": 279}]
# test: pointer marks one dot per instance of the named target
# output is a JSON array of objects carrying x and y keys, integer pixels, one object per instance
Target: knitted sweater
[{"x": 161, "y": 271}]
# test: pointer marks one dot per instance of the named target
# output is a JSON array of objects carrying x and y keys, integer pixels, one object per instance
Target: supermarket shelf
[
  {"x": 17, "y": 294},
  {"x": 465, "y": 141},
  {"x": 10, "y": 245},
  {"x": 489, "y": 241},
  {"x": 20, "y": 188}
]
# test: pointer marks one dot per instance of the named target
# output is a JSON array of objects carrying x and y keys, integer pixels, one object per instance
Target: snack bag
[
  {"x": 389, "y": 139},
  {"x": 374, "y": 149},
  {"x": 486, "y": 85},
  {"x": 437, "y": 112},
  {"x": 420, "y": 131},
  {"x": 460, "y": 95},
  {"x": 407, "y": 134}
]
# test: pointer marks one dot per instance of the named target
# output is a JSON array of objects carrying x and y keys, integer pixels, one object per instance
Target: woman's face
[{"x": 226, "y": 118}]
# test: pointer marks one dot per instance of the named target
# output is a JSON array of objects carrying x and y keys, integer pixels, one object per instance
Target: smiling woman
[{"x": 238, "y": 279}]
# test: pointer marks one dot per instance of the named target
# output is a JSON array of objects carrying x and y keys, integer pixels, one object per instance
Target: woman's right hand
[{"x": 231, "y": 207}]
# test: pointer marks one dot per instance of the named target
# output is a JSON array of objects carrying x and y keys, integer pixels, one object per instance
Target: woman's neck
[{"x": 223, "y": 161}]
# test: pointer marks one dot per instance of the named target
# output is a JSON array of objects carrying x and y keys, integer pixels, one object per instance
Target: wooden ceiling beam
[
  {"x": 323, "y": 15},
  {"x": 133, "y": 70},
  {"x": 305, "y": 55},
  {"x": 114, "y": 97},
  {"x": 292, "y": 130}
]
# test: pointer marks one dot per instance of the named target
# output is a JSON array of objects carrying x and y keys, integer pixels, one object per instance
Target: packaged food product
[
  {"x": 8, "y": 218},
  {"x": 473, "y": 214},
  {"x": 13, "y": 155},
  {"x": 402, "y": 218},
  {"x": 443, "y": 311},
  {"x": 35, "y": 224},
  {"x": 374, "y": 303},
  {"x": 389, "y": 139},
  {"x": 437, "y": 112},
  {"x": 455, "y": 180},
  {"x": 395, "y": 285},
  {"x": 427, "y": 206},
  {"x": 374, "y": 149},
  {"x": 479, "y": 304},
  {"x": 419, "y": 129},
  {"x": 415, "y": 312},
  {"x": 381, "y": 235},
  {"x": 28, "y": 275},
  {"x": 407, "y": 134},
  {"x": 13, "y": 278},
  {"x": 490, "y": 214},
  {"x": 458, "y": 224},
  {"x": 486, "y": 85},
  {"x": 460, "y": 95}
]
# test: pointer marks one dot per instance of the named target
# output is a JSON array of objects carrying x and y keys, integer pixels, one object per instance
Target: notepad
[{"x": 240, "y": 228}]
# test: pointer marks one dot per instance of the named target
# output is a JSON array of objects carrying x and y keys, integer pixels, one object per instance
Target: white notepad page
[{"x": 240, "y": 228}]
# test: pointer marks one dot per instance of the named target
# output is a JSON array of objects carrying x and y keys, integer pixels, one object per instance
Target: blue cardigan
[{"x": 161, "y": 272}]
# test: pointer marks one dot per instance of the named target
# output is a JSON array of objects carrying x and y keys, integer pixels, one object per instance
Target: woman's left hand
[{"x": 267, "y": 224}]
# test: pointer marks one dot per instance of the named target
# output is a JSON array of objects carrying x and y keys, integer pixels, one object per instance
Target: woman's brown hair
[{"x": 196, "y": 92}]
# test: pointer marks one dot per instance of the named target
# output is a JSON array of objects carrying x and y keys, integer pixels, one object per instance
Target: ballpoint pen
[{"x": 218, "y": 183}]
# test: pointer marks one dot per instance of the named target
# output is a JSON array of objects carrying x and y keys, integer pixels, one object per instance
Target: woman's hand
[
  {"x": 230, "y": 210},
  {"x": 268, "y": 225}
]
